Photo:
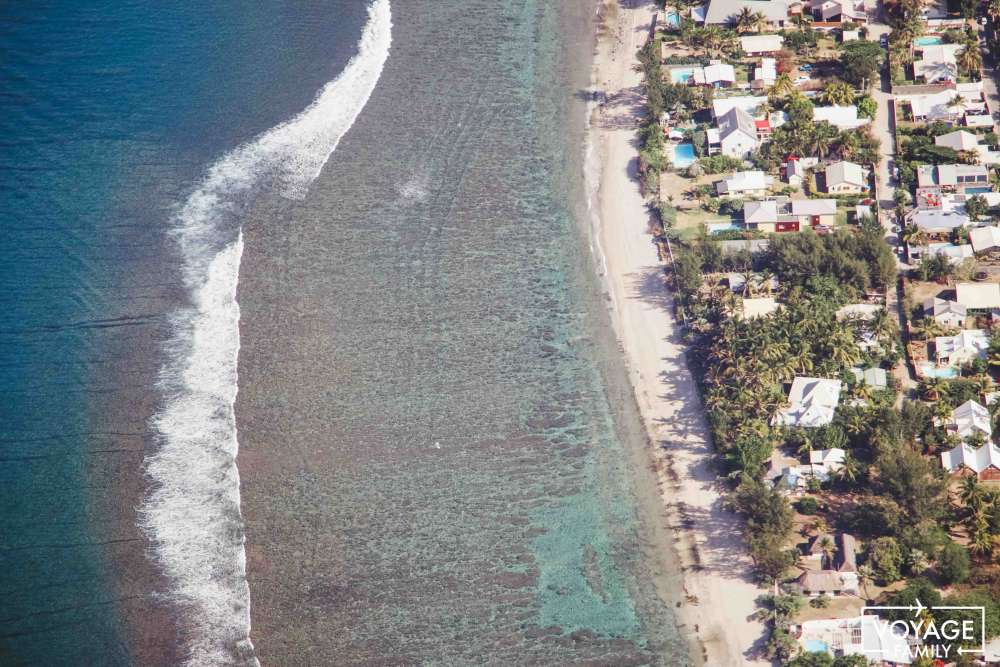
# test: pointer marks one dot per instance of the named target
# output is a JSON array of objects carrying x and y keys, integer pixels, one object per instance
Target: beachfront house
[
  {"x": 737, "y": 133},
  {"x": 745, "y": 184},
  {"x": 985, "y": 239},
  {"x": 964, "y": 459},
  {"x": 952, "y": 177},
  {"x": 761, "y": 45},
  {"x": 814, "y": 583},
  {"x": 959, "y": 140},
  {"x": 716, "y": 74},
  {"x": 936, "y": 62},
  {"x": 970, "y": 419},
  {"x": 812, "y": 402},
  {"x": 846, "y": 178},
  {"x": 981, "y": 297},
  {"x": 867, "y": 636},
  {"x": 845, "y": 549},
  {"x": 962, "y": 348},
  {"x": 945, "y": 312},
  {"x": 725, "y": 12}
]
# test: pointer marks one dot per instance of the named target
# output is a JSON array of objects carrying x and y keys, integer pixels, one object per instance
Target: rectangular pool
[
  {"x": 927, "y": 40},
  {"x": 932, "y": 371},
  {"x": 683, "y": 155},
  {"x": 978, "y": 190}
]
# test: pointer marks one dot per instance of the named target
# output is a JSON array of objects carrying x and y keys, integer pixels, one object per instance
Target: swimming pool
[
  {"x": 979, "y": 190},
  {"x": 932, "y": 371},
  {"x": 719, "y": 227},
  {"x": 683, "y": 155},
  {"x": 673, "y": 19},
  {"x": 816, "y": 646},
  {"x": 681, "y": 75},
  {"x": 927, "y": 41}
]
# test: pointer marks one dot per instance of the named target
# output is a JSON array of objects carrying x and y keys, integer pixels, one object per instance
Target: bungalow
[
  {"x": 970, "y": 418},
  {"x": 984, "y": 239},
  {"x": 959, "y": 140},
  {"x": 876, "y": 378},
  {"x": 845, "y": 550},
  {"x": 716, "y": 74},
  {"x": 961, "y": 103},
  {"x": 725, "y": 12},
  {"x": 846, "y": 178},
  {"x": 978, "y": 296},
  {"x": 764, "y": 74},
  {"x": 937, "y": 62},
  {"x": 761, "y": 215},
  {"x": 827, "y": 582},
  {"x": 938, "y": 221},
  {"x": 859, "y": 311},
  {"x": 952, "y": 177},
  {"x": 945, "y": 312},
  {"x": 867, "y": 636},
  {"x": 737, "y": 133},
  {"x": 812, "y": 402},
  {"x": 983, "y": 462},
  {"x": 759, "y": 307},
  {"x": 815, "y": 212},
  {"x": 825, "y": 462},
  {"x": 759, "y": 45},
  {"x": 746, "y": 183},
  {"x": 749, "y": 103},
  {"x": 963, "y": 347},
  {"x": 795, "y": 169},
  {"x": 841, "y": 117},
  {"x": 839, "y": 11}
]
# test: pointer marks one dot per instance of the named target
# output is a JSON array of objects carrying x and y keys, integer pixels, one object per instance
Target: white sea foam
[{"x": 192, "y": 514}]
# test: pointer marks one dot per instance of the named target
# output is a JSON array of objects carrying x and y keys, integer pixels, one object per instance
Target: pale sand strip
[{"x": 720, "y": 592}]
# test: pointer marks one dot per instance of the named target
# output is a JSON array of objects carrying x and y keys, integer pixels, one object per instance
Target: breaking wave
[{"x": 192, "y": 512}]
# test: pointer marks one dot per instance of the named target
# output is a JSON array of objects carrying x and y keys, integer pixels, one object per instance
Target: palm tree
[
  {"x": 913, "y": 235},
  {"x": 970, "y": 60},
  {"x": 746, "y": 20},
  {"x": 828, "y": 549},
  {"x": 993, "y": 10},
  {"x": 850, "y": 470},
  {"x": 882, "y": 325},
  {"x": 865, "y": 576},
  {"x": 783, "y": 87},
  {"x": 838, "y": 93},
  {"x": 970, "y": 492},
  {"x": 967, "y": 157},
  {"x": 822, "y": 139}
]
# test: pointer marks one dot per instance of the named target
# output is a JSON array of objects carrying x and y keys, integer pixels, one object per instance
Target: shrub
[
  {"x": 886, "y": 558},
  {"x": 953, "y": 563},
  {"x": 808, "y": 505},
  {"x": 716, "y": 164}
]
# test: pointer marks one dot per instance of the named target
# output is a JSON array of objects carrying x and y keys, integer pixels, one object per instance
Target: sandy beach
[{"x": 719, "y": 587}]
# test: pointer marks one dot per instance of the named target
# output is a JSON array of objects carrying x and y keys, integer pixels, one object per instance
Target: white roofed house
[
  {"x": 825, "y": 462},
  {"x": 951, "y": 103},
  {"x": 978, "y": 296},
  {"x": 839, "y": 11},
  {"x": 815, "y": 212},
  {"x": 841, "y": 117},
  {"x": 846, "y": 178},
  {"x": 764, "y": 74},
  {"x": 745, "y": 183},
  {"x": 758, "y": 45},
  {"x": 750, "y": 104},
  {"x": 795, "y": 169},
  {"x": 945, "y": 312},
  {"x": 716, "y": 74},
  {"x": 867, "y": 636},
  {"x": 970, "y": 419},
  {"x": 983, "y": 462},
  {"x": 737, "y": 133},
  {"x": 938, "y": 221},
  {"x": 961, "y": 348},
  {"x": 761, "y": 215},
  {"x": 725, "y": 12},
  {"x": 985, "y": 239},
  {"x": 812, "y": 402},
  {"x": 952, "y": 177},
  {"x": 959, "y": 140},
  {"x": 936, "y": 62}
]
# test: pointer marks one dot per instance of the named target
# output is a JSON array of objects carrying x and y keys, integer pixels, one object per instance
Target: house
[
  {"x": 938, "y": 221},
  {"x": 825, "y": 462},
  {"x": 839, "y": 11},
  {"x": 746, "y": 183},
  {"x": 827, "y": 582},
  {"x": 815, "y": 212},
  {"x": 846, "y": 178},
  {"x": 759, "y": 307},
  {"x": 959, "y": 140},
  {"x": 867, "y": 636},
  {"x": 738, "y": 281},
  {"x": 945, "y": 312},
  {"x": 812, "y": 402},
  {"x": 749, "y": 103},
  {"x": 983, "y": 462},
  {"x": 876, "y": 378},
  {"x": 843, "y": 118},
  {"x": 859, "y": 311},
  {"x": 795, "y": 169},
  {"x": 984, "y": 239},
  {"x": 725, "y": 12},
  {"x": 814, "y": 551},
  {"x": 716, "y": 74},
  {"x": 761, "y": 215},
  {"x": 951, "y": 103},
  {"x": 764, "y": 74},
  {"x": 952, "y": 177},
  {"x": 963, "y": 347},
  {"x": 759, "y": 45},
  {"x": 978, "y": 296},
  {"x": 937, "y": 62},
  {"x": 970, "y": 418},
  {"x": 850, "y": 35},
  {"x": 752, "y": 246},
  {"x": 845, "y": 552},
  {"x": 737, "y": 133}
]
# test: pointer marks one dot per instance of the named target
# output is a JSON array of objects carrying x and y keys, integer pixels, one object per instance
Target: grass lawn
[{"x": 690, "y": 221}]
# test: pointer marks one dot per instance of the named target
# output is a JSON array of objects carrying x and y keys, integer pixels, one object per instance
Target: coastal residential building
[
  {"x": 985, "y": 239},
  {"x": 750, "y": 104},
  {"x": 970, "y": 418},
  {"x": 946, "y": 313},
  {"x": 738, "y": 283},
  {"x": 961, "y": 348},
  {"x": 951, "y": 103},
  {"x": 717, "y": 74},
  {"x": 725, "y": 12},
  {"x": 839, "y": 11},
  {"x": 959, "y": 140},
  {"x": 867, "y": 636},
  {"x": 841, "y": 117},
  {"x": 982, "y": 297},
  {"x": 737, "y": 133},
  {"x": 812, "y": 402},
  {"x": 859, "y": 311},
  {"x": 814, "y": 212},
  {"x": 752, "y": 246},
  {"x": 938, "y": 221},
  {"x": 827, "y": 582},
  {"x": 983, "y": 462},
  {"x": 761, "y": 45},
  {"x": 845, "y": 552},
  {"x": 952, "y": 177},
  {"x": 795, "y": 169},
  {"x": 825, "y": 462},
  {"x": 761, "y": 306},
  {"x": 876, "y": 378},
  {"x": 745, "y": 183},
  {"x": 936, "y": 62},
  {"x": 764, "y": 74},
  {"x": 846, "y": 178}
]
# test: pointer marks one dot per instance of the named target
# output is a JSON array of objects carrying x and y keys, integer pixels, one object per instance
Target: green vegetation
[{"x": 862, "y": 61}]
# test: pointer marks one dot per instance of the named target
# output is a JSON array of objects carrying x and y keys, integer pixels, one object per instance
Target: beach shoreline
[{"x": 719, "y": 591}]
